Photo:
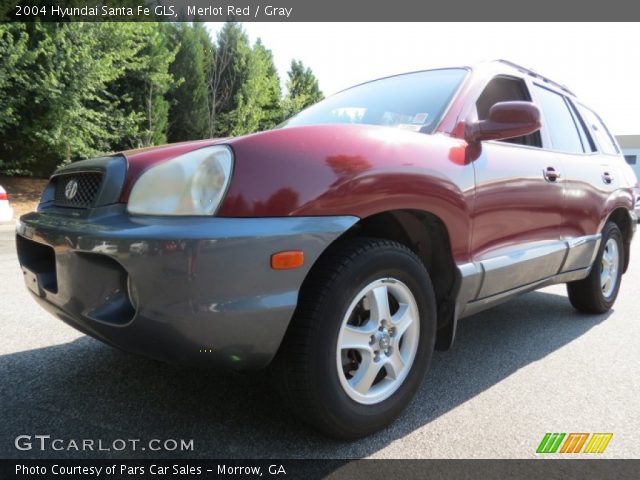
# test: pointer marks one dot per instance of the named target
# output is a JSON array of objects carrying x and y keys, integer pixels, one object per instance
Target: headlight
[{"x": 191, "y": 184}]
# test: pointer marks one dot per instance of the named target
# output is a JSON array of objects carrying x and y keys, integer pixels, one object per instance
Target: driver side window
[{"x": 505, "y": 89}]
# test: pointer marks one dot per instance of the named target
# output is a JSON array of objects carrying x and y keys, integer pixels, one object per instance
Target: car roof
[
  {"x": 498, "y": 66},
  {"x": 532, "y": 73}
]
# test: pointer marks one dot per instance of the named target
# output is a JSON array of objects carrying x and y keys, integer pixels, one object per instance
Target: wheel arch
[
  {"x": 620, "y": 216},
  {"x": 428, "y": 237}
]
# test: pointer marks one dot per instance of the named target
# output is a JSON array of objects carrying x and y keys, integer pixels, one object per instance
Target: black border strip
[
  {"x": 321, "y": 11},
  {"x": 317, "y": 469}
]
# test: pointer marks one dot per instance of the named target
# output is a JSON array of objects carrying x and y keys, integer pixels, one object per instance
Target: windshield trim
[{"x": 455, "y": 95}]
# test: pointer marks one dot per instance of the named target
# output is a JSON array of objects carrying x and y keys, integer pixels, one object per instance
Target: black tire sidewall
[
  {"x": 610, "y": 231},
  {"x": 357, "y": 418}
]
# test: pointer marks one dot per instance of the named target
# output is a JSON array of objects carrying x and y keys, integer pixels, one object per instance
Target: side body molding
[{"x": 487, "y": 282}]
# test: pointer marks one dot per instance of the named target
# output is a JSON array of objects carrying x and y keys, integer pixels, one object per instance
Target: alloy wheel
[{"x": 378, "y": 341}]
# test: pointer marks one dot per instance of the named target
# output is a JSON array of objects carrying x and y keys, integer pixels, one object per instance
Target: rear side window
[
  {"x": 587, "y": 141},
  {"x": 603, "y": 137},
  {"x": 559, "y": 121}
]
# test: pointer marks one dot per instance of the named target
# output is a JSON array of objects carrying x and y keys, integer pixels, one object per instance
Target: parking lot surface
[{"x": 522, "y": 369}]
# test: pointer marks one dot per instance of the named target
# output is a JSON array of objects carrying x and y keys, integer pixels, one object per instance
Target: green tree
[
  {"x": 73, "y": 90},
  {"x": 62, "y": 109},
  {"x": 14, "y": 63},
  {"x": 158, "y": 81},
  {"x": 188, "y": 101},
  {"x": 302, "y": 89},
  {"x": 272, "y": 107},
  {"x": 227, "y": 73},
  {"x": 258, "y": 101},
  {"x": 209, "y": 63},
  {"x": 144, "y": 87}
]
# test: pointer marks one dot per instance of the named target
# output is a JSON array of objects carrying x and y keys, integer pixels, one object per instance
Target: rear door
[{"x": 588, "y": 175}]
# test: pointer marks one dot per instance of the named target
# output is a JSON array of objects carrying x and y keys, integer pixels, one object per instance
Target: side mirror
[{"x": 506, "y": 120}]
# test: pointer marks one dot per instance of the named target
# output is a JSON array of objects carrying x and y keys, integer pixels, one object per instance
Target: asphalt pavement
[{"x": 522, "y": 369}]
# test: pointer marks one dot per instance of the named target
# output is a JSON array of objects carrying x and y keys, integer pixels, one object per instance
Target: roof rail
[{"x": 530, "y": 72}]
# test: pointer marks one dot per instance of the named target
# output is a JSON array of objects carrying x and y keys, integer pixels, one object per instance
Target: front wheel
[
  {"x": 598, "y": 292},
  {"x": 361, "y": 339}
]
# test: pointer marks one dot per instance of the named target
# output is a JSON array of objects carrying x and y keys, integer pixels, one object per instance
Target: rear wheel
[
  {"x": 361, "y": 339},
  {"x": 598, "y": 292}
]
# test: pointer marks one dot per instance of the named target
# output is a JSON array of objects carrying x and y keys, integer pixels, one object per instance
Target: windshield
[{"x": 413, "y": 101}]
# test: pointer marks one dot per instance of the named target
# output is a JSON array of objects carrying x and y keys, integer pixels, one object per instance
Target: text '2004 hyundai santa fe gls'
[{"x": 344, "y": 246}]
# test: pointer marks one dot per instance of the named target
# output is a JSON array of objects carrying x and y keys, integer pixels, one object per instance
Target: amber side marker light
[{"x": 287, "y": 260}]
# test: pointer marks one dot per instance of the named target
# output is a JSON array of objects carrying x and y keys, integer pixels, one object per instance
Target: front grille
[{"x": 81, "y": 194}]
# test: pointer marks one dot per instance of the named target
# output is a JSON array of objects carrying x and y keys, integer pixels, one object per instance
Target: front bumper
[{"x": 196, "y": 291}]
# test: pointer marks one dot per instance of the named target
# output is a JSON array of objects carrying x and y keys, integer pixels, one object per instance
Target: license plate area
[{"x": 32, "y": 282}]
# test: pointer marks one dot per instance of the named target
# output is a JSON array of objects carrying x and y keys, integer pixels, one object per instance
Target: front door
[{"x": 519, "y": 203}]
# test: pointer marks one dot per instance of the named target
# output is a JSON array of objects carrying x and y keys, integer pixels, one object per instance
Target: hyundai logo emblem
[{"x": 71, "y": 189}]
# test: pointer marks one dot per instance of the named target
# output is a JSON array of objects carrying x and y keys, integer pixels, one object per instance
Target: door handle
[
  {"x": 550, "y": 174},
  {"x": 607, "y": 178}
]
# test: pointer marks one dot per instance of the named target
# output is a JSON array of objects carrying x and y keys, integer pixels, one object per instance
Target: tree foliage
[
  {"x": 144, "y": 86},
  {"x": 230, "y": 71},
  {"x": 258, "y": 99},
  {"x": 302, "y": 89},
  {"x": 70, "y": 91},
  {"x": 63, "y": 108},
  {"x": 13, "y": 72},
  {"x": 188, "y": 100}
]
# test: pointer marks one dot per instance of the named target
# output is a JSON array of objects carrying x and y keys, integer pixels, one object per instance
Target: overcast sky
[{"x": 599, "y": 61}]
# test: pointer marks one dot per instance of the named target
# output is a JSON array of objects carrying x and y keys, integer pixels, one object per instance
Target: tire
[
  {"x": 329, "y": 390},
  {"x": 592, "y": 294}
]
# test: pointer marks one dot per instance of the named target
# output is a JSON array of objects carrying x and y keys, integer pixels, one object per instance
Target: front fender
[{"x": 357, "y": 170}]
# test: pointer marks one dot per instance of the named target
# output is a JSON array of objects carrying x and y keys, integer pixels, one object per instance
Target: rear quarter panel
[{"x": 589, "y": 201}]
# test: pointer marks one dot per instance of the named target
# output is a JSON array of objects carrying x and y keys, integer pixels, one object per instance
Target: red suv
[{"x": 344, "y": 246}]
